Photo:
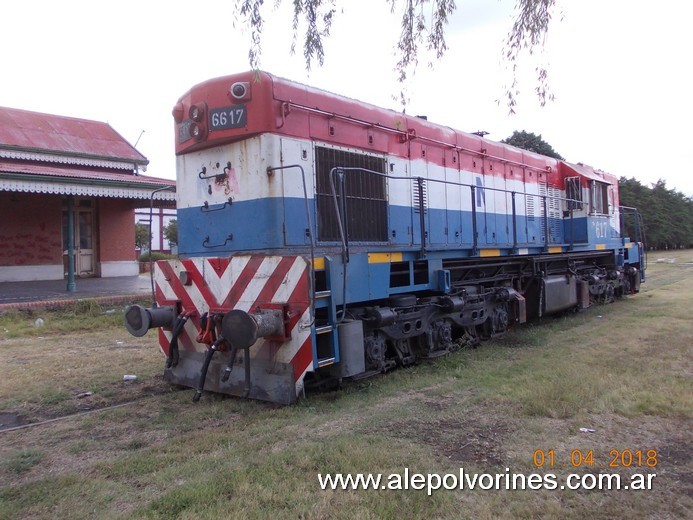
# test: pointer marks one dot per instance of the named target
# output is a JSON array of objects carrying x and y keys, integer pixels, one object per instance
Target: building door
[{"x": 84, "y": 238}]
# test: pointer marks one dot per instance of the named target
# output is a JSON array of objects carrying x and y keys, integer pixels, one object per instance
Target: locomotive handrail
[
  {"x": 342, "y": 234},
  {"x": 638, "y": 229},
  {"x": 206, "y": 244},
  {"x": 422, "y": 213},
  {"x": 453, "y": 183},
  {"x": 472, "y": 187},
  {"x": 270, "y": 171},
  {"x": 206, "y": 208},
  {"x": 406, "y": 135},
  {"x": 475, "y": 233},
  {"x": 644, "y": 238},
  {"x": 341, "y": 212}
]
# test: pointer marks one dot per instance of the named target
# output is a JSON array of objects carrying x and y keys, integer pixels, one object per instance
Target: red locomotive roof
[
  {"x": 286, "y": 107},
  {"x": 282, "y": 106},
  {"x": 37, "y": 132}
]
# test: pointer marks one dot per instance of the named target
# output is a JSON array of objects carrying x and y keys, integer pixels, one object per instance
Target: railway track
[{"x": 83, "y": 413}]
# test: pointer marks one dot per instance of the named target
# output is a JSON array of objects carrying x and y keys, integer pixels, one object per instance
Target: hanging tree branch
[
  {"x": 421, "y": 30},
  {"x": 527, "y": 34}
]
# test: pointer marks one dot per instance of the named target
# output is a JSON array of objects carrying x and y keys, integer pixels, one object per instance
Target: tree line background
[{"x": 667, "y": 214}]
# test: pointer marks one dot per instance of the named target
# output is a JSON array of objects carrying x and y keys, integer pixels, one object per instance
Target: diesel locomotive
[{"x": 323, "y": 238}]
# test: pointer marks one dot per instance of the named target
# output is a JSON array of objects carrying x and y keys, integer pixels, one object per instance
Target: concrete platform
[{"x": 54, "y": 293}]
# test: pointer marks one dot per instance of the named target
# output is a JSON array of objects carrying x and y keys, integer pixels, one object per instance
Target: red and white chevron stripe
[{"x": 242, "y": 282}]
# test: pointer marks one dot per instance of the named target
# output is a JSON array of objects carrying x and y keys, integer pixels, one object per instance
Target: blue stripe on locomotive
[
  {"x": 278, "y": 224},
  {"x": 275, "y": 223}
]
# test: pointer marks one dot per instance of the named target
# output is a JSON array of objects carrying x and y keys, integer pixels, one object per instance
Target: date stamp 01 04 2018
[{"x": 626, "y": 458}]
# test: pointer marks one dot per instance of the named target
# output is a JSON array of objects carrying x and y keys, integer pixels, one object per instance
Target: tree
[
  {"x": 171, "y": 232},
  {"x": 667, "y": 214},
  {"x": 532, "y": 142},
  {"x": 142, "y": 236},
  {"x": 421, "y": 28}
]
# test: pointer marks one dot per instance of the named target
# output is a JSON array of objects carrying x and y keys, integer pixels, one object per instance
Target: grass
[
  {"x": 623, "y": 370},
  {"x": 82, "y": 315},
  {"x": 22, "y": 461},
  {"x": 48, "y": 375}
]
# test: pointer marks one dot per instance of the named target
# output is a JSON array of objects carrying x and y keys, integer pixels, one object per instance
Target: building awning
[{"x": 66, "y": 180}]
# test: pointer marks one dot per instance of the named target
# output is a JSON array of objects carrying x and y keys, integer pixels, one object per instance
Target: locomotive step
[
  {"x": 324, "y": 329},
  {"x": 325, "y": 362}
]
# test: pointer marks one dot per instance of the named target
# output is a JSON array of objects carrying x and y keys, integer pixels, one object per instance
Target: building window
[
  {"x": 599, "y": 195},
  {"x": 365, "y": 196}
]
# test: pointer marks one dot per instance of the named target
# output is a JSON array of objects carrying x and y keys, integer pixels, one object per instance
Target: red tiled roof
[{"x": 24, "y": 130}]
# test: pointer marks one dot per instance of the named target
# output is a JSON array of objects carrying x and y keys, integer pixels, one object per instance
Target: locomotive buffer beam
[
  {"x": 212, "y": 370},
  {"x": 241, "y": 330},
  {"x": 262, "y": 379},
  {"x": 272, "y": 381}
]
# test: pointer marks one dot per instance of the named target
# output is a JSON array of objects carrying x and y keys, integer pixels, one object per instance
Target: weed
[
  {"x": 135, "y": 444},
  {"x": 54, "y": 397},
  {"x": 81, "y": 446},
  {"x": 23, "y": 461}
]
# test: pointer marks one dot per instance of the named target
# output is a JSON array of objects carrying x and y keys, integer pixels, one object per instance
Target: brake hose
[
  {"x": 205, "y": 368},
  {"x": 172, "y": 359},
  {"x": 229, "y": 367}
]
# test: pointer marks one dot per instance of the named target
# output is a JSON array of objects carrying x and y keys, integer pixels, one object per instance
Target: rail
[
  {"x": 638, "y": 229},
  {"x": 311, "y": 234},
  {"x": 337, "y": 178},
  {"x": 337, "y": 173},
  {"x": 404, "y": 135}
]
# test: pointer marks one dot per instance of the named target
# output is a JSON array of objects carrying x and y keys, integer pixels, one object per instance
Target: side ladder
[{"x": 325, "y": 333}]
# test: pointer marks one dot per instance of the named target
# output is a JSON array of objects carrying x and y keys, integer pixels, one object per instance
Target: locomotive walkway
[{"x": 53, "y": 293}]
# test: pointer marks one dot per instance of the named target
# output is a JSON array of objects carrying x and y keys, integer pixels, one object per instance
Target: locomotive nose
[{"x": 139, "y": 320}]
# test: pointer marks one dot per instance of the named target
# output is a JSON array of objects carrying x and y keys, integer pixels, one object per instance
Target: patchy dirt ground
[
  {"x": 489, "y": 410},
  {"x": 49, "y": 377}
]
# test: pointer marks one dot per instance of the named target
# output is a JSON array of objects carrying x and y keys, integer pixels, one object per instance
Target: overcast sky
[{"x": 620, "y": 70}]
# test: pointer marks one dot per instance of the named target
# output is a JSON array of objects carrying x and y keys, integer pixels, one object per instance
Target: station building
[{"x": 61, "y": 177}]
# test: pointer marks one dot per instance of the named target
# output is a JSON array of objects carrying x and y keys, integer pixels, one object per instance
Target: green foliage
[
  {"x": 423, "y": 29},
  {"x": 144, "y": 257},
  {"x": 532, "y": 142},
  {"x": 171, "y": 232},
  {"x": 142, "y": 236},
  {"x": 667, "y": 214}
]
